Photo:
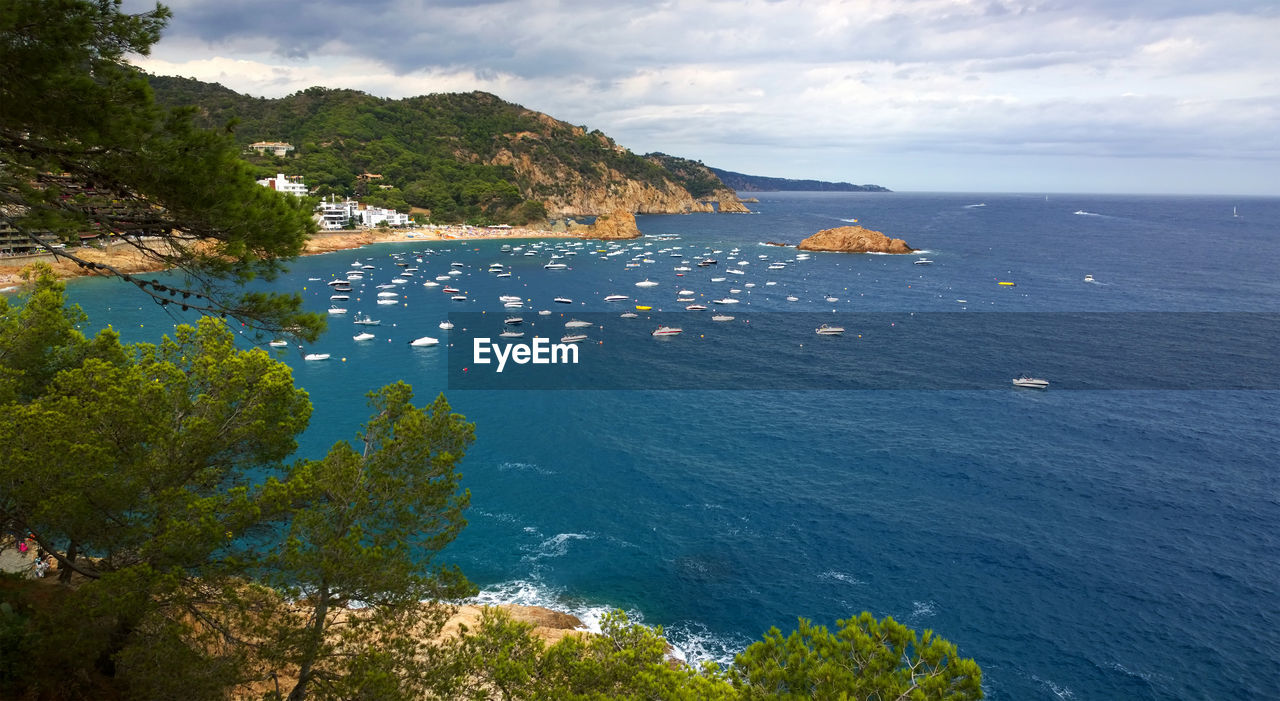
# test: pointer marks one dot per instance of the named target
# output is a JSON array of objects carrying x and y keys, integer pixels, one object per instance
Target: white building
[
  {"x": 279, "y": 148},
  {"x": 373, "y": 216},
  {"x": 291, "y": 184},
  {"x": 335, "y": 215}
]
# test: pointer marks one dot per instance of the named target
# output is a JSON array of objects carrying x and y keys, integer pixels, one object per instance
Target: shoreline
[{"x": 128, "y": 260}]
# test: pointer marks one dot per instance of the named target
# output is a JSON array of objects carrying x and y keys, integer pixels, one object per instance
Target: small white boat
[
  {"x": 388, "y": 295},
  {"x": 513, "y": 320},
  {"x": 647, "y": 283},
  {"x": 513, "y": 305},
  {"x": 430, "y": 283},
  {"x": 833, "y": 299},
  {"x": 278, "y": 344},
  {"x": 511, "y": 334},
  {"x": 457, "y": 265},
  {"x": 554, "y": 266},
  {"x": 776, "y": 266},
  {"x": 424, "y": 341},
  {"x": 573, "y": 338},
  {"x": 398, "y": 281},
  {"x": 793, "y": 299},
  {"x": 769, "y": 283},
  {"x": 316, "y": 356},
  {"x": 685, "y": 293},
  {"x": 829, "y": 330},
  {"x": 385, "y": 302},
  {"x": 563, "y": 300},
  {"x": 616, "y": 298},
  {"x": 363, "y": 336},
  {"x": 667, "y": 331},
  {"x": 503, "y": 275},
  {"x": 1030, "y": 382},
  {"x": 718, "y": 279},
  {"x": 750, "y": 284},
  {"x": 682, "y": 269},
  {"x": 450, "y": 290},
  {"x": 366, "y": 321},
  {"x": 340, "y": 298},
  {"x": 734, "y": 271},
  {"x": 443, "y": 278},
  {"x": 576, "y": 324},
  {"x": 508, "y": 298},
  {"x": 446, "y": 325},
  {"x": 696, "y": 307},
  {"x": 337, "y": 310},
  {"x": 628, "y": 315},
  {"x": 545, "y": 312},
  {"x": 726, "y": 300},
  {"x": 456, "y": 298},
  {"x": 1088, "y": 278},
  {"x": 722, "y": 317},
  {"x": 455, "y": 272},
  {"x": 923, "y": 261}
]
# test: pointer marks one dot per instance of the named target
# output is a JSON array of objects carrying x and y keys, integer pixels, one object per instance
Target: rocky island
[
  {"x": 853, "y": 239},
  {"x": 621, "y": 224}
]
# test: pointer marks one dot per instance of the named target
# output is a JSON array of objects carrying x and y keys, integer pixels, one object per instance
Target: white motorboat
[
  {"x": 647, "y": 283},
  {"x": 573, "y": 338},
  {"x": 513, "y": 305},
  {"x": 363, "y": 336},
  {"x": 424, "y": 341},
  {"x": 457, "y": 298},
  {"x": 685, "y": 293},
  {"x": 776, "y": 266},
  {"x": 508, "y": 298},
  {"x": 340, "y": 298},
  {"x": 734, "y": 271},
  {"x": 722, "y": 317},
  {"x": 503, "y": 275},
  {"x": 923, "y": 261},
  {"x": 793, "y": 299},
  {"x": 278, "y": 344},
  {"x": 398, "y": 281},
  {"x": 1030, "y": 382},
  {"x": 833, "y": 299},
  {"x": 510, "y": 333},
  {"x": 388, "y": 295},
  {"x": 443, "y": 278},
  {"x": 457, "y": 265},
  {"x": 616, "y": 298},
  {"x": 446, "y": 325},
  {"x": 563, "y": 300},
  {"x": 576, "y": 324},
  {"x": 1088, "y": 278},
  {"x": 667, "y": 331},
  {"x": 337, "y": 310},
  {"x": 430, "y": 283},
  {"x": 555, "y": 266},
  {"x": 684, "y": 299},
  {"x": 629, "y": 315},
  {"x": 513, "y": 320},
  {"x": 726, "y": 300},
  {"x": 718, "y": 279},
  {"x": 366, "y": 321},
  {"x": 829, "y": 330},
  {"x": 696, "y": 307},
  {"x": 545, "y": 312},
  {"x": 316, "y": 356},
  {"x": 386, "y": 302}
]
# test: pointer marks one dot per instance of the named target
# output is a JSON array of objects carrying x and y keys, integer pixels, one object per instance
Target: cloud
[{"x": 1123, "y": 79}]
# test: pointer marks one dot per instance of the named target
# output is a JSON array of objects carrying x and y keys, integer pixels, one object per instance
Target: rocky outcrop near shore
[
  {"x": 854, "y": 239},
  {"x": 621, "y": 224}
]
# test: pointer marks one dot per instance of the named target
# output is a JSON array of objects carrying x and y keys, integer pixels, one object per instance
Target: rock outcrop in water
[
  {"x": 621, "y": 224},
  {"x": 854, "y": 239}
]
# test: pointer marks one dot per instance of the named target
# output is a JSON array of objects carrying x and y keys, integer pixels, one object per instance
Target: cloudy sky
[{"x": 1148, "y": 96}]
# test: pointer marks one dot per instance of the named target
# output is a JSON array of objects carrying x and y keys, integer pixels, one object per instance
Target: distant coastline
[{"x": 742, "y": 182}]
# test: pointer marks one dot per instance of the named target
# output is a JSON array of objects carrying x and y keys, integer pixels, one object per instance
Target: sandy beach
[{"x": 128, "y": 260}]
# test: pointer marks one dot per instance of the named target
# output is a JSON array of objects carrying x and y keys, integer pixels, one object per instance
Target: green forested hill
[{"x": 462, "y": 156}]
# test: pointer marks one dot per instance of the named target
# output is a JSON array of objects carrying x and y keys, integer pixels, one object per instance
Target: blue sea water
[{"x": 1090, "y": 544}]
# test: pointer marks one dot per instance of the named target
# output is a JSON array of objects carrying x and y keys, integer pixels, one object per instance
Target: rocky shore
[{"x": 854, "y": 239}]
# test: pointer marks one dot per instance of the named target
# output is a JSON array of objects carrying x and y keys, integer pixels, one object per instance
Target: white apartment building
[
  {"x": 291, "y": 184},
  {"x": 279, "y": 148},
  {"x": 373, "y": 216},
  {"x": 334, "y": 215}
]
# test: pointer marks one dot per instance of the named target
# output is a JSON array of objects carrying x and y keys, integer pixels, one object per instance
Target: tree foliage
[{"x": 85, "y": 151}]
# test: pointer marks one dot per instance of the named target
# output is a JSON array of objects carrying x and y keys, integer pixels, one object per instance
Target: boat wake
[
  {"x": 971, "y": 206},
  {"x": 772, "y": 244},
  {"x": 1083, "y": 213}
]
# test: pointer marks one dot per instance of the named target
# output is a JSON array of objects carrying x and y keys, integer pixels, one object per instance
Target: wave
[
  {"x": 1061, "y": 692},
  {"x": 775, "y": 245},
  {"x": 694, "y": 643},
  {"x": 524, "y": 467},
  {"x": 555, "y": 546},
  {"x": 971, "y": 206},
  {"x": 524, "y": 592},
  {"x": 840, "y": 577}
]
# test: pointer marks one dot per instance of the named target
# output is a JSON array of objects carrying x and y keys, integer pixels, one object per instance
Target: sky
[{"x": 1109, "y": 96}]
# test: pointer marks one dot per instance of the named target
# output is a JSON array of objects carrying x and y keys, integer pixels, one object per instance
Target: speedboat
[
  {"x": 735, "y": 271},
  {"x": 829, "y": 330},
  {"x": 544, "y": 312},
  {"x": 554, "y": 266},
  {"x": 685, "y": 293},
  {"x": 722, "y": 317},
  {"x": 726, "y": 300},
  {"x": 366, "y": 321},
  {"x": 503, "y": 275},
  {"x": 340, "y": 298},
  {"x": 696, "y": 307},
  {"x": 388, "y": 295},
  {"x": 833, "y": 299},
  {"x": 450, "y": 290},
  {"x": 576, "y": 324},
  {"x": 684, "y": 299},
  {"x": 563, "y": 300},
  {"x": 337, "y": 310},
  {"x": 647, "y": 283},
  {"x": 629, "y": 315},
  {"x": 278, "y": 344},
  {"x": 511, "y": 333},
  {"x": 718, "y": 279},
  {"x": 776, "y": 266},
  {"x": 316, "y": 356},
  {"x": 443, "y": 278},
  {"x": 667, "y": 331},
  {"x": 446, "y": 325},
  {"x": 1030, "y": 382},
  {"x": 793, "y": 299},
  {"x": 923, "y": 261},
  {"x": 573, "y": 338},
  {"x": 362, "y": 336},
  {"x": 513, "y": 305},
  {"x": 424, "y": 341},
  {"x": 1088, "y": 278},
  {"x": 513, "y": 320},
  {"x": 388, "y": 301},
  {"x": 332, "y": 283},
  {"x": 430, "y": 283},
  {"x": 616, "y": 298},
  {"x": 456, "y": 298},
  {"x": 457, "y": 265},
  {"x": 398, "y": 280},
  {"x": 643, "y": 307},
  {"x": 508, "y": 298}
]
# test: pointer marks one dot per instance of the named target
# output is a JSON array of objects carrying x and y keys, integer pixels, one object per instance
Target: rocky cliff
[
  {"x": 620, "y": 224},
  {"x": 854, "y": 239}
]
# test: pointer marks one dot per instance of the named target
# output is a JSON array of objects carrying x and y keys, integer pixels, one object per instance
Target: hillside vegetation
[{"x": 460, "y": 156}]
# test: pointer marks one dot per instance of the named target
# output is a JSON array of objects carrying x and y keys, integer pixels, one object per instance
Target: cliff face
[
  {"x": 854, "y": 239},
  {"x": 621, "y": 224}
]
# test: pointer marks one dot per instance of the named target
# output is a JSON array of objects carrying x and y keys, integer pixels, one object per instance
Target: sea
[{"x": 1115, "y": 536}]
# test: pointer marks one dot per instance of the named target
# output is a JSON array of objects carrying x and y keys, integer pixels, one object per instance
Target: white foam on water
[
  {"x": 555, "y": 546},
  {"x": 922, "y": 609},
  {"x": 524, "y": 467},
  {"x": 694, "y": 644},
  {"x": 530, "y": 592},
  {"x": 1061, "y": 692},
  {"x": 841, "y": 577}
]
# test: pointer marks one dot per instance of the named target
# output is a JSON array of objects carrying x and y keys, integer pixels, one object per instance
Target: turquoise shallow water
[{"x": 1097, "y": 543}]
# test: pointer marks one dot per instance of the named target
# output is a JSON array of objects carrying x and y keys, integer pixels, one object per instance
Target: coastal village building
[
  {"x": 335, "y": 216},
  {"x": 374, "y": 216},
  {"x": 291, "y": 184},
  {"x": 279, "y": 148}
]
